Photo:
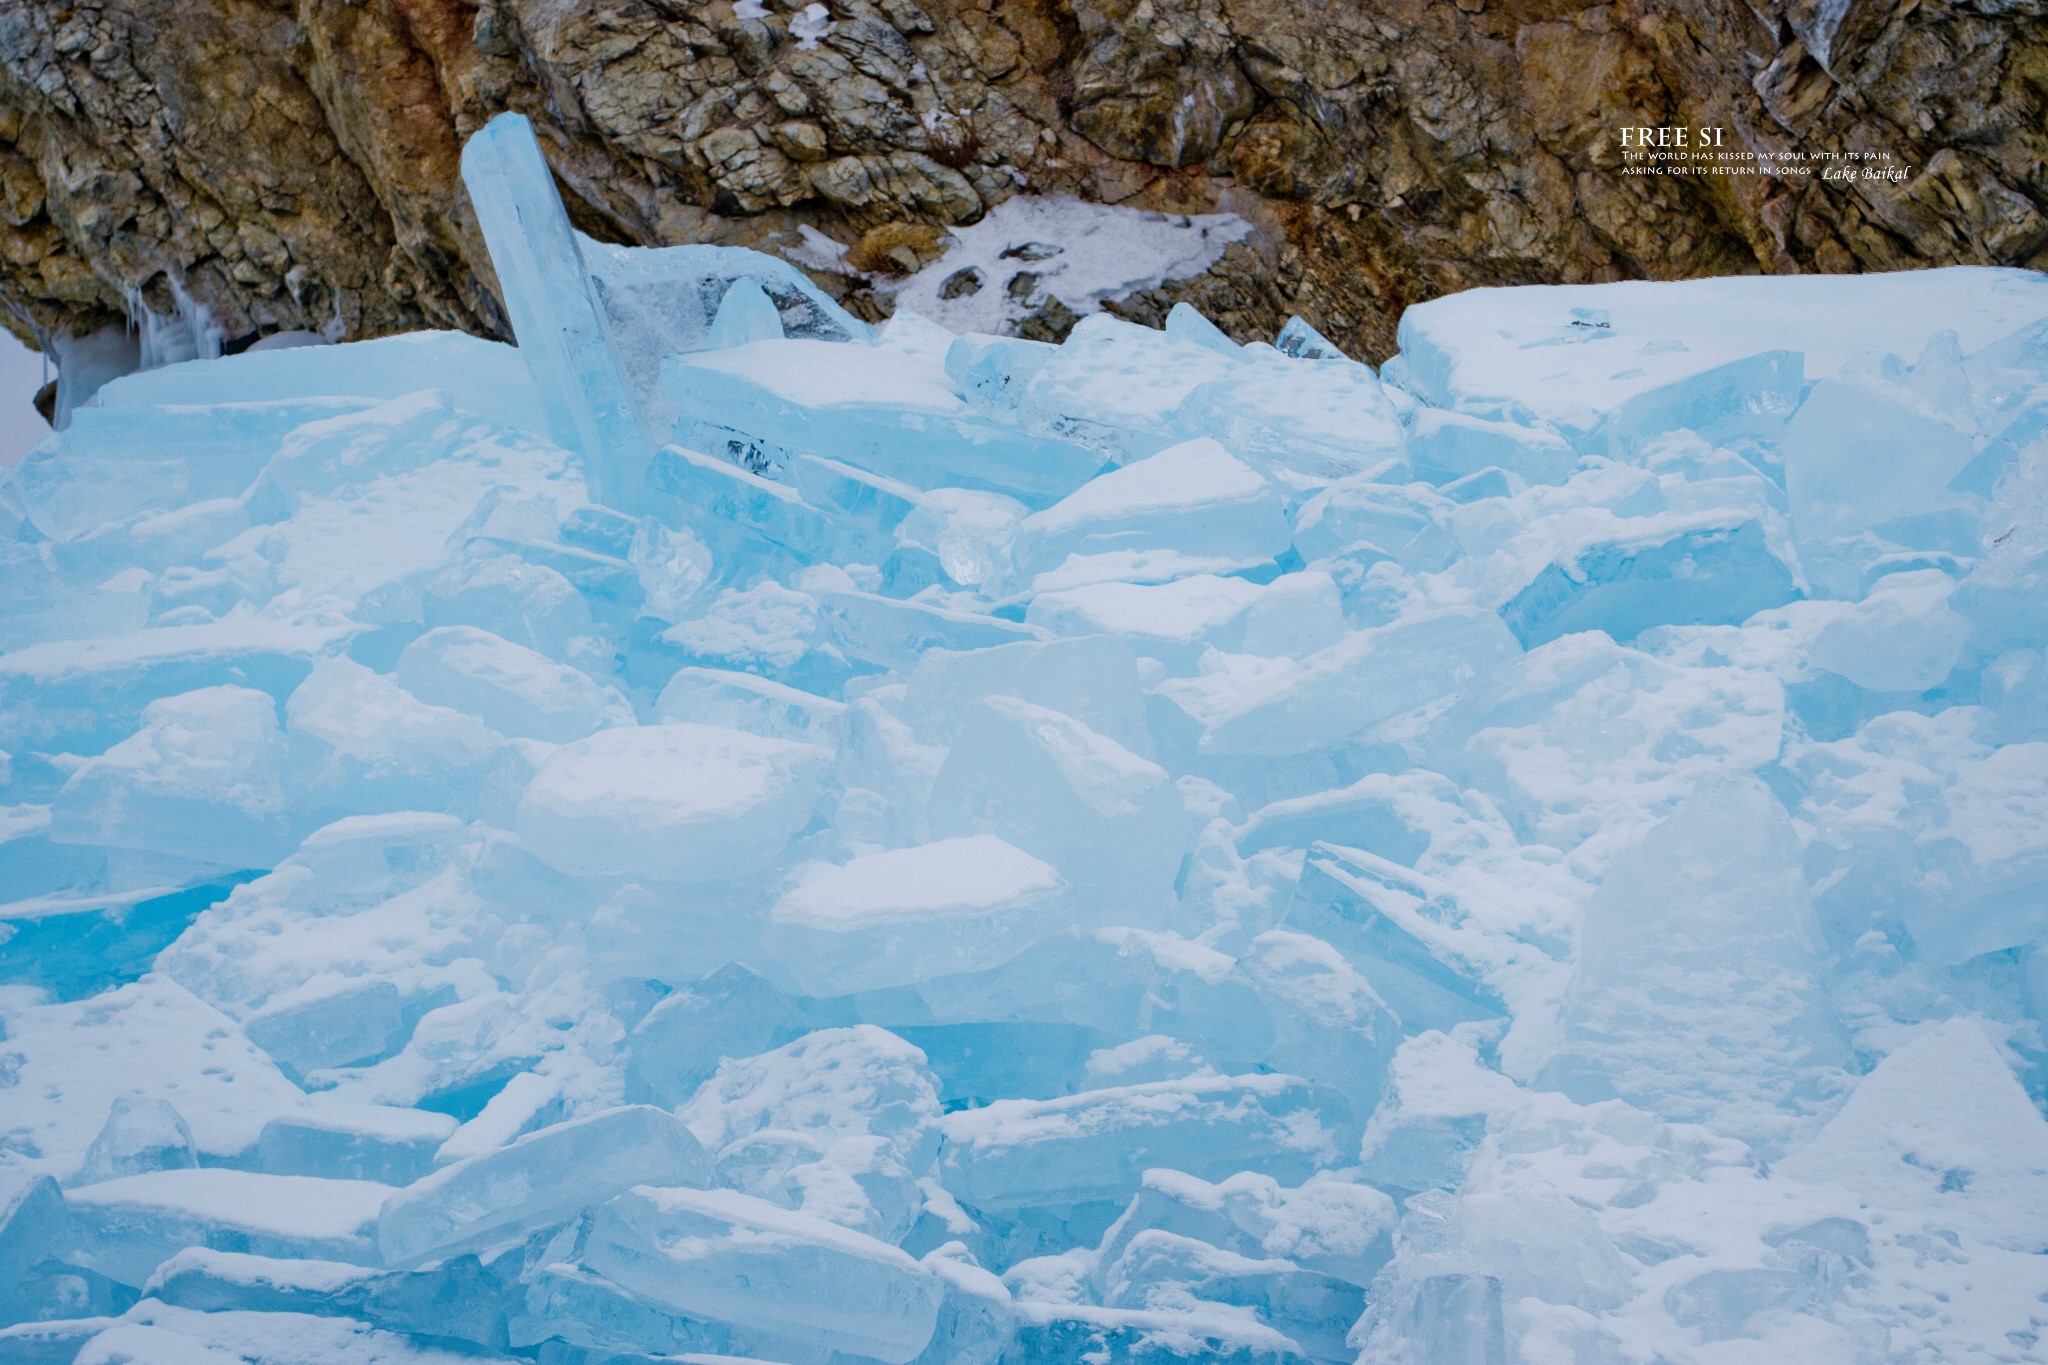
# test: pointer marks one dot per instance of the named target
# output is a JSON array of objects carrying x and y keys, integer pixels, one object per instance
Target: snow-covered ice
[{"x": 724, "y": 833}]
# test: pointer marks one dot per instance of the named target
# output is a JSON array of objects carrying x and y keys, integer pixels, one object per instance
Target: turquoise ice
[{"x": 725, "y": 831}]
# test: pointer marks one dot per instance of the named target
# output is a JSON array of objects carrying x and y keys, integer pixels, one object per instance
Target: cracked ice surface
[{"x": 966, "y": 850}]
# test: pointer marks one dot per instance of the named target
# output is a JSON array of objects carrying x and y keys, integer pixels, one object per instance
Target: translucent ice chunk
[
  {"x": 1701, "y": 1001},
  {"x": 1096, "y": 1145},
  {"x": 1094, "y": 679},
  {"x": 876, "y": 408},
  {"x": 1749, "y": 397},
  {"x": 43, "y": 682},
  {"x": 1374, "y": 912},
  {"x": 717, "y": 696},
  {"x": 1365, "y": 677},
  {"x": 33, "y": 1223},
  {"x": 1457, "y": 1321},
  {"x": 1303, "y": 422},
  {"x": 1327, "y": 1225},
  {"x": 540, "y": 270},
  {"x": 733, "y": 1012},
  {"x": 745, "y": 314},
  {"x": 528, "y": 604},
  {"x": 1570, "y": 354},
  {"x": 1195, "y": 497},
  {"x": 1294, "y": 615},
  {"x": 976, "y": 1317},
  {"x": 665, "y": 301},
  {"x": 458, "y": 1299},
  {"x": 775, "y": 510},
  {"x": 1405, "y": 523},
  {"x": 125, "y": 1228},
  {"x": 1447, "y": 445},
  {"x": 1710, "y": 569},
  {"x": 1981, "y": 865},
  {"x": 1902, "y": 637},
  {"x": 355, "y": 1142},
  {"x": 676, "y": 802},
  {"x": 515, "y": 690},
  {"x": 544, "y": 1177},
  {"x": 174, "y": 405},
  {"x": 991, "y": 371},
  {"x": 358, "y": 740},
  {"x": 879, "y": 503},
  {"x": 1114, "y": 386},
  {"x": 1161, "y": 1270},
  {"x": 897, "y": 634},
  {"x": 1426, "y": 1133},
  {"x": 1304, "y": 342},
  {"x": 159, "y": 1333},
  {"x": 141, "y": 1135},
  {"x": 1112, "y": 823},
  {"x": 841, "y": 1123},
  {"x": 1185, "y": 322},
  {"x": 203, "y": 779},
  {"x": 1861, "y": 452},
  {"x": 894, "y": 918},
  {"x": 728, "y": 1258}
]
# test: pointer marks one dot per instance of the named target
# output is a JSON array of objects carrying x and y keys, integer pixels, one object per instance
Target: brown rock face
[{"x": 293, "y": 163}]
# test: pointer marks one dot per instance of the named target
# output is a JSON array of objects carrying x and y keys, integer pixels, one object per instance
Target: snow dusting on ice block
[
  {"x": 1097, "y": 1144},
  {"x": 687, "y": 802},
  {"x": 514, "y": 690},
  {"x": 1388, "y": 924},
  {"x": 1941, "y": 1131},
  {"x": 841, "y": 1123},
  {"x": 1195, "y": 497},
  {"x": 724, "y": 1257},
  {"x": 479, "y": 376},
  {"x": 1570, "y": 354},
  {"x": 545, "y": 1177},
  {"x": 894, "y": 918},
  {"x": 125, "y": 1228},
  {"x": 149, "y": 1039}
]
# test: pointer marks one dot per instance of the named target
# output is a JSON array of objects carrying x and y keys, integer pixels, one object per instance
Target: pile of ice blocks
[{"x": 727, "y": 832}]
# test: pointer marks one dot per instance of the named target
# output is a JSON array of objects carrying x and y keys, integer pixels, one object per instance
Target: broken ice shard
[
  {"x": 545, "y": 1177},
  {"x": 546, "y": 291}
]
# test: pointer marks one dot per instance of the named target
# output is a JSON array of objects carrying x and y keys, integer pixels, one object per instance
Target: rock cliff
[{"x": 276, "y": 165}]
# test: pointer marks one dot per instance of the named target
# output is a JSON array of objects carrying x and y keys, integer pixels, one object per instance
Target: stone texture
[{"x": 292, "y": 163}]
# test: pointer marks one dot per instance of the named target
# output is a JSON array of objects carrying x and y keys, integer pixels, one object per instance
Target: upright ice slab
[{"x": 545, "y": 284}]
